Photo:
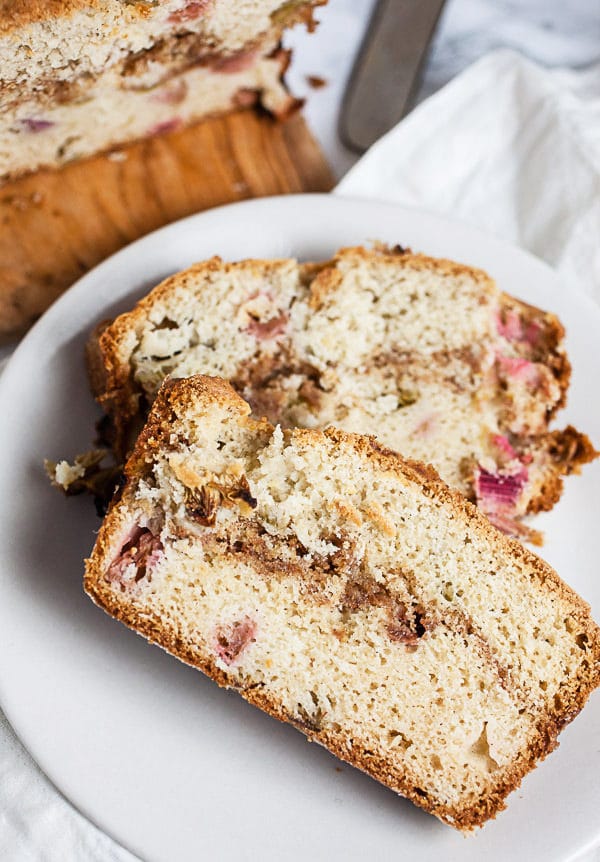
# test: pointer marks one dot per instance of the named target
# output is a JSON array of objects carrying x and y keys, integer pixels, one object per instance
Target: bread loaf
[{"x": 83, "y": 76}]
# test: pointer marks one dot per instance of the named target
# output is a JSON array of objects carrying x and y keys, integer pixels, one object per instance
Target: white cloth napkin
[{"x": 507, "y": 146}]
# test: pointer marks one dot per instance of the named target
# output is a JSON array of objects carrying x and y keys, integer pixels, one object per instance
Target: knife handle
[{"x": 386, "y": 71}]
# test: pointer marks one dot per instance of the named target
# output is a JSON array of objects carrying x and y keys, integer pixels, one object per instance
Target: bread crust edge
[{"x": 175, "y": 394}]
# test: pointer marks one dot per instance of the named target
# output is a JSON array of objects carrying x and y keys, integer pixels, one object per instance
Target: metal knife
[{"x": 386, "y": 71}]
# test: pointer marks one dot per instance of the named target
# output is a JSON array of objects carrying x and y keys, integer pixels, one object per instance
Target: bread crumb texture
[
  {"x": 349, "y": 592},
  {"x": 79, "y": 77},
  {"x": 426, "y": 354}
]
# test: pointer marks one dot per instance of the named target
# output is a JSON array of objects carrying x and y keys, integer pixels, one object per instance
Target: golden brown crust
[
  {"x": 173, "y": 399},
  {"x": 176, "y": 398},
  {"x": 15, "y": 14},
  {"x": 328, "y": 280},
  {"x": 114, "y": 388},
  {"x": 110, "y": 374},
  {"x": 568, "y": 450},
  {"x": 95, "y": 360},
  {"x": 122, "y": 398},
  {"x": 415, "y": 260},
  {"x": 550, "y": 351},
  {"x": 355, "y": 754}
]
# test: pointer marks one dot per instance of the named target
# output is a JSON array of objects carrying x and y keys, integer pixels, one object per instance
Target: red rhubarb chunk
[
  {"x": 503, "y": 444},
  {"x": 264, "y": 330},
  {"x": 233, "y": 638},
  {"x": 509, "y": 325},
  {"x": 240, "y": 62},
  {"x": 497, "y": 492},
  {"x": 173, "y": 94},
  {"x": 516, "y": 368},
  {"x": 190, "y": 11},
  {"x": 140, "y": 552},
  {"x": 34, "y": 125},
  {"x": 166, "y": 126}
]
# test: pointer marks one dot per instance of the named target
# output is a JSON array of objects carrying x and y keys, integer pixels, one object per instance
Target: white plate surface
[{"x": 159, "y": 757}]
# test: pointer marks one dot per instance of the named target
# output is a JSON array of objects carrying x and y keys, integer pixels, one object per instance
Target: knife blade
[{"x": 386, "y": 72}]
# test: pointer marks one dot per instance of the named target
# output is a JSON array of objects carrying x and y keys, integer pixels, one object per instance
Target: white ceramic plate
[{"x": 159, "y": 757}]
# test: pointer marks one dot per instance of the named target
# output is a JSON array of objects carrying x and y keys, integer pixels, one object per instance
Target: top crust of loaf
[
  {"x": 15, "y": 14},
  {"x": 349, "y": 255},
  {"x": 47, "y": 41}
]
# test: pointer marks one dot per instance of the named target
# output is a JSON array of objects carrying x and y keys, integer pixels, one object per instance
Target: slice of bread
[
  {"x": 349, "y": 592},
  {"x": 427, "y": 354}
]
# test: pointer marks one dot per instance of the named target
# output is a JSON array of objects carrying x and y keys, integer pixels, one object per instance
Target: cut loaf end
[{"x": 88, "y": 76}]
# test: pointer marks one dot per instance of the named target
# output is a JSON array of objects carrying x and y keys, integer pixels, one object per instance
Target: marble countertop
[{"x": 551, "y": 32}]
